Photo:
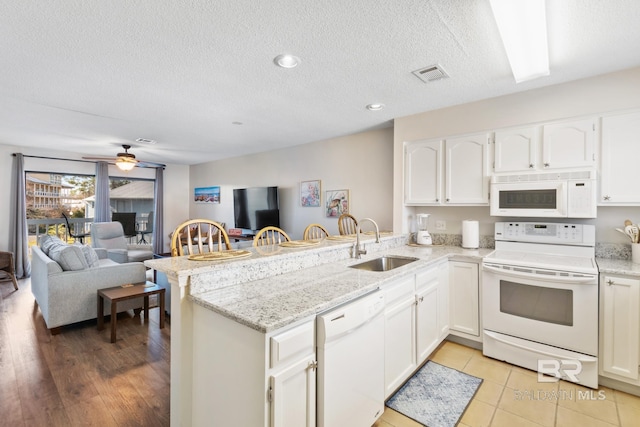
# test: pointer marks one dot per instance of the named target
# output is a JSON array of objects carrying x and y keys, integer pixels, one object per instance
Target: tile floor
[{"x": 511, "y": 396}]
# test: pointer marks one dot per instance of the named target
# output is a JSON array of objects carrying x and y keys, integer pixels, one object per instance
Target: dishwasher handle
[{"x": 345, "y": 320}]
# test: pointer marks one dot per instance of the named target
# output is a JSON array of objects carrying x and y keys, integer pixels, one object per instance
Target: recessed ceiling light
[
  {"x": 286, "y": 61},
  {"x": 147, "y": 141},
  {"x": 236, "y": 123},
  {"x": 375, "y": 107}
]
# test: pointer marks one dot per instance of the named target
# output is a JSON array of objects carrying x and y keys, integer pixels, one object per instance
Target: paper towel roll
[{"x": 470, "y": 234}]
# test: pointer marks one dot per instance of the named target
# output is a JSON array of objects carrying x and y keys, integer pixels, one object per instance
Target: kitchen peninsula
[{"x": 227, "y": 314}]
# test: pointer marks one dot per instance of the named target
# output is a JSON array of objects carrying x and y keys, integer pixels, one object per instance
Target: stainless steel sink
[{"x": 384, "y": 263}]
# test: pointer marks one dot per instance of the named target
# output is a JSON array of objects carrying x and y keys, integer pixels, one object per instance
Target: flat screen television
[{"x": 256, "y": 207}]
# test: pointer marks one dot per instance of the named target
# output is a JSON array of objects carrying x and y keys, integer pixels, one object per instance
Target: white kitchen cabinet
[
  {"x": 293, "y": 395},
  {"x": 464, "y": 179},
  {"x": 620, "y": 328},
  {"x": 400, "y": 347},
  {"x": 423, "y": 172},
  {"x": 516, "y": 149},
  {"x": 443, "y": 300},
  {"x": 569, "y": 144},
  {"x": 427, "y": 332},
  {"x": 292, "y": 385},
  {"x": 620, "y": 171},
  {"x": 464, "y": 313},
  {"x": 467, "y": 172}
]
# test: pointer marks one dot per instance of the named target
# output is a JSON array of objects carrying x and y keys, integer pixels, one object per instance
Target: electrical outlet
[{"x": 441, "y": 225}]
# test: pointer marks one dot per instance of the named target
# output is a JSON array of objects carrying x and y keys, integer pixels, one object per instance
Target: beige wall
[
  {"x": 176, "y": 178},
  {"x": 361, "y": 163},
  {"x": 611, "y": 92}
]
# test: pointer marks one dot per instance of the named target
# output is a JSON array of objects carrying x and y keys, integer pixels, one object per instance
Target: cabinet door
[
  {"x": 464, "y": 299},
  {"x": 427, "y": 332},
  {"x": 569, "y": 144},
  {"x": 620, "y": 326},
  {"x": 467, "y": 178},
  {"x": 443, "y": 300},
  {"x": 293, "y": 395},
  {"x": 399, "y": 343},
  {"x": 515, "y": 149},
  {"x": 423, "y": 172},
  {"x": 620, "y": 172}
]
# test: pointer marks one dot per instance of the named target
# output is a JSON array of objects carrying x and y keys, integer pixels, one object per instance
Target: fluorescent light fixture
[
  {"x": 286, "y": 61},
  {"x": 523, "y": 28},
  {"x": 125, "y": 164}
]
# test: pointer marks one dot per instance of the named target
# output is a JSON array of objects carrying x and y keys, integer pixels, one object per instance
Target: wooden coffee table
[{"x": 123, "y": 293}]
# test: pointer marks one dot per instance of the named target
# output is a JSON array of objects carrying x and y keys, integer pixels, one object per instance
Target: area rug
[{"x": 435, "y": 396}]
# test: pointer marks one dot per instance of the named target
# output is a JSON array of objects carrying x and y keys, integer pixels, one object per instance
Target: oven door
[
  {"x": 550, "y": 307},
  {"x": 546, "y": 199}
]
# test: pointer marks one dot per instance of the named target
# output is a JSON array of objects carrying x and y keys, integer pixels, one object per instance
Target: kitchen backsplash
[{"x": 603, "y": 250}]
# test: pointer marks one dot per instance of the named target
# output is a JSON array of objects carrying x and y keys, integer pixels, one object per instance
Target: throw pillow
[
  {"x": 90, "y": 256},
  {"x": 70, "y": 257},
  {"x": 47, "y": 242}
]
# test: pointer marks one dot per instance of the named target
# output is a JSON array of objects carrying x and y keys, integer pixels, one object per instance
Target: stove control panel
[{"x": 546, "y": 232}]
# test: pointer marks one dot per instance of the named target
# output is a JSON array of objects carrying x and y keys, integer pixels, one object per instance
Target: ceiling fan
[{"x": 127, "y": 161}]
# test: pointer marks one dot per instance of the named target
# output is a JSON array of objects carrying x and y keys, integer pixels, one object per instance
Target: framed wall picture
[
  {"x": 310, "y": 194},
  {"x": 206, "y": 195},
  {"x": 336, "y": 202}
]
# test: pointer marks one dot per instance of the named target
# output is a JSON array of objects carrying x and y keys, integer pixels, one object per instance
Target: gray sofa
[{"x": 66, "y": 288}]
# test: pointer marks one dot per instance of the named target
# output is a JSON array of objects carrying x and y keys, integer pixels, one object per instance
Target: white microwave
[{"x": 545, "y": 195}]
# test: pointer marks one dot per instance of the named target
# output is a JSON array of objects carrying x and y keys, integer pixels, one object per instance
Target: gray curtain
[
  {"x": 158, "y": 233},
  {"x": 18, "y": 238},
  {"x": 103, "y": 208}
]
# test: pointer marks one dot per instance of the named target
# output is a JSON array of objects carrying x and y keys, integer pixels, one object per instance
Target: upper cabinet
[
  {"x": 464, "y": 180},
  {"x": 423, "y": 172},
  {"x": 620, "y": 171},
  {"x": 569, "y": 144},
  {"x": 516, "y": 149}
]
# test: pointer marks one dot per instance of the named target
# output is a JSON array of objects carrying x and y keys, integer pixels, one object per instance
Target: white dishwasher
[{"x": 350, "y": 342}]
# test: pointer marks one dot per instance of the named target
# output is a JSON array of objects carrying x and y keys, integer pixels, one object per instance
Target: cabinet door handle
[
  {"x": 610, "y": 282},
  {"x": 420, "y": 299},
  {"x": 437, "y": 200},
  {"x": 546, "y": 165},
  {"x": 447, "y": 200},
  {"x": 607, "y": 197},
  {"x": 530, "y": 165}
]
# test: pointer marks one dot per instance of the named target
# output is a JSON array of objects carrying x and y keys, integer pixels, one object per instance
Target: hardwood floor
[{"x": 78, "y": 377}]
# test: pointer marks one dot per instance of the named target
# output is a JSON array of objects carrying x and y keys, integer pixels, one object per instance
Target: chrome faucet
[{"x": 356, "y": 250}]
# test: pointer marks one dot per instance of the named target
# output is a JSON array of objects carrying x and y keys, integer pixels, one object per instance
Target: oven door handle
[{"x": 557, "y": 279}]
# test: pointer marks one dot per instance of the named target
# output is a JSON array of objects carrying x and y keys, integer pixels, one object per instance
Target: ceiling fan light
[{"x": 125, "y": 164}]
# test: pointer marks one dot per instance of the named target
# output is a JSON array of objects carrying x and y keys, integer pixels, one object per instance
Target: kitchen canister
[
  {"x": 470, "y": 234},
  {"x": 635, "y": 253}
]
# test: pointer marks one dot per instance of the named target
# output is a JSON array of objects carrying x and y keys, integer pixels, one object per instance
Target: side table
[{"x": 123, "y": 293}]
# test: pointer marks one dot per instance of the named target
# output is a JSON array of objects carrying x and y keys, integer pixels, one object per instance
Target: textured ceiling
[{"x": 90, "y": 75}]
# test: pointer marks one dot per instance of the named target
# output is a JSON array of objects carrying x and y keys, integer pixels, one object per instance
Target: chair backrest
[
  {"x": 6, "y": 262},
  {"x": 128, "y": 221},
  {"x": 270, "y": 236},
  {"x": 196, "y": 235},
  {"x": 347, "y": 224},
  {"x": 315, "y": 231},
  {"x": 149, "y": 228},
  {"x": 108, "y": 235}
]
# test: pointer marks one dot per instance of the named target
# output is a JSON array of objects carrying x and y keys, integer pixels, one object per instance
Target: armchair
[{"x": 110, "y": 236}]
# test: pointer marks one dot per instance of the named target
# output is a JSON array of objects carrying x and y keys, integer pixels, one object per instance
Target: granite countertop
[
  {"x": 271, "y": 303},
  {"x": 618, "y": 266}
]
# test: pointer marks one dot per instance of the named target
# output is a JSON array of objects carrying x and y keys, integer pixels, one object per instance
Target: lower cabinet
[
  {"x": 620, "y": 328},
  {"x": 416, "y": 322},
  {"x": 292, "y": 384},
  {"x": 464, "y": 299}
]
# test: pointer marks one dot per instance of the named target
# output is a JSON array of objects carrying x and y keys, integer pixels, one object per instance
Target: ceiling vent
[{"x": 431, "y": 73}]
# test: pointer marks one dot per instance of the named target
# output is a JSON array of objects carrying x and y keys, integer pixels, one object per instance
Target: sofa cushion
[
  {"x": 47, "y": 242},
  {"x": 70, "y": 257},
  {"x": 90, "y": 256}
]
